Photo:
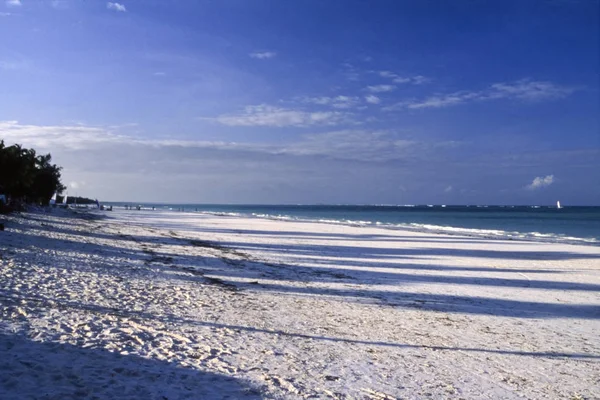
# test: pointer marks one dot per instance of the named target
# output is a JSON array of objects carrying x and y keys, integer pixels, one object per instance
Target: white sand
[{"x": 172, "y": 305}]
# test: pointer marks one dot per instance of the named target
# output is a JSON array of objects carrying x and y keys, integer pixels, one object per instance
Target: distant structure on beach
[
  {"x": 73, "y": 201},
  {"x": 558, "y": 205}
]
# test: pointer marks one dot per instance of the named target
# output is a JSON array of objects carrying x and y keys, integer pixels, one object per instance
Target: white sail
[{"x": 558, "y": 205}]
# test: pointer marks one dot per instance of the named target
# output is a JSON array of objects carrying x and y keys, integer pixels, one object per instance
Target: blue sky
[{"x": 256, "y": 101}]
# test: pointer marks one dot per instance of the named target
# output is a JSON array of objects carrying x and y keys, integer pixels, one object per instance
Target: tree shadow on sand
[
  {"x": 172, "y": 319},
  {"x": 424, "y": 252},
  {"x": 229, "y": 264},
  {"x": 31, "y": 369}
]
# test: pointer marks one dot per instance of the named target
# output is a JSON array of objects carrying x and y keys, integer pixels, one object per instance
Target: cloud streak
[
  {"x": 381, "y": 88},
  {"x": 341, "y": 102},
  {"x": 522, "y": 90},
  {"x": 13, "y": 3},
  {"x": 529, "y": 90},
  {"x": 72, "y": 137},
  {"x": 414, "y": 80},
  {"x": 356, "y": 144},
  {"x": 266, "y": 115},
  {"x": 350, "y": 144},
  {"x": 263, "y": 55}
]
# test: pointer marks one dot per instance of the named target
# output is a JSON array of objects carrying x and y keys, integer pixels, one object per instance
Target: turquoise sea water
[{"x": 540, "y": 223}]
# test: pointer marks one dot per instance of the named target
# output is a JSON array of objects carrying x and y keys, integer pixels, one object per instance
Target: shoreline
[
  {"x": 433, "y": 229},
  {"x": 282, "y": 309},
  {"x": 485, "y": 233}
]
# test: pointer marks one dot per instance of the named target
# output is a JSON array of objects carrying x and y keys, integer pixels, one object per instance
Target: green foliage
[
  {"x": 75, "y": 200},
  {"x": 26, "y": 176}
]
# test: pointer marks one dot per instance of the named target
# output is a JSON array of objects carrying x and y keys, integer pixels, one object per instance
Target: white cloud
[
  {"x": 372, "y": 99},
  {"x": 540, "y": 182},
  {"x": 263, "y": 55},
  {"x": 159, "y": 73},
  {"x": 381, "y": 88},
  {"x": 448, "y": 189},
  {"x": 14, "y": 3},
  {"x": 5, "y": 14},
  {"x": 116, "y": 7},
  {"x": 266, "y": 115},
  {"x": 523, "y": 90}
]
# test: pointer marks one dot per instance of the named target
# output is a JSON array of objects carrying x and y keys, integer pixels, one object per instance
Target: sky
[{"x": 308, "y": 102}]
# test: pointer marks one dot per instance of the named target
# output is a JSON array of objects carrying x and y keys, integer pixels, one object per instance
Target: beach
[{"x": 176, "y": 305}]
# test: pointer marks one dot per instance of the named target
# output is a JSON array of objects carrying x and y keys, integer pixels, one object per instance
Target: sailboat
[{"x": 558, "y": 205}]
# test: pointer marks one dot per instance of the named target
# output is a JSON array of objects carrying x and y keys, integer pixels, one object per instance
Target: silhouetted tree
[{"x": 26, "y": 176}]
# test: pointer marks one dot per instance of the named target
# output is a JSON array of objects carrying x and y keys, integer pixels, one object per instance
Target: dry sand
[{"x": 169, "y": 305}]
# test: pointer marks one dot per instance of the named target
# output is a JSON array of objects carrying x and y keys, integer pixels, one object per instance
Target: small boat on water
[{"x": 558, "y": 205}]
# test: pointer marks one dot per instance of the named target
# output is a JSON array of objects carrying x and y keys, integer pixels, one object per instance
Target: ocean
[{"x": 579, "y": 225}]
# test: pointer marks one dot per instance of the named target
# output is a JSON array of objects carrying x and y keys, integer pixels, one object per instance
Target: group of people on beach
[{"x": 138, "y": 207}]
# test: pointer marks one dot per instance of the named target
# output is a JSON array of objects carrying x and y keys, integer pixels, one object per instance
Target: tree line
[
  {"x": 27, "y": 177},
  {"x": 75, "y": 200}
]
